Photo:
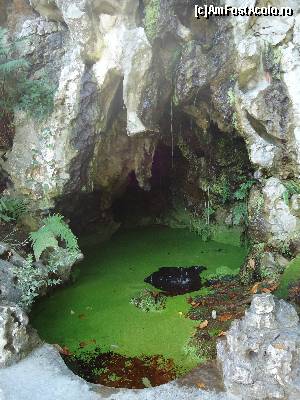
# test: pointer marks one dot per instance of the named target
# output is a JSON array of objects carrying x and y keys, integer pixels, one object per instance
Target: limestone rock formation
[
  {"x": 17, "y": 338},
  {"x": 260, "y": 356},
  {"x": 10, "y": 261},
  {"x": 9, "y": 290},
  {"x": 123, "y": 70}
]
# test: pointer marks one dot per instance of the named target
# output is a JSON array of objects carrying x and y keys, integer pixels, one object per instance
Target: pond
[{"x": 95, "y": 324}]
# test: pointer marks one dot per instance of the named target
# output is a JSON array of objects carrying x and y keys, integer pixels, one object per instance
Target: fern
[
  {"x": 11, "y": 208},
  {"x": 242, "y": 192},
  {"x": 240, "y": 214},
  {"x": 47, "y": 236}
]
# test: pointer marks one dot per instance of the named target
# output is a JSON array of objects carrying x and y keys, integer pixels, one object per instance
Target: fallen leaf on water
[
  {"x": 81, "y": 316},
  {"x": 254, "y": 288},
  {"x": 203, "y": 324},
  {"x": 72, "y": 312},
  {"x": 200, "y": 385},
  {"x": 225, "y": 317},
  {"x": 222, "y": 334},
  {"x": 82, "y": 344}
]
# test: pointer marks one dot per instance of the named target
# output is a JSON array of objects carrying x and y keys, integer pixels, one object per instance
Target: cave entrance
[
  {"x": 108, "y": 324},
  {"x": 147, "y": 206}
]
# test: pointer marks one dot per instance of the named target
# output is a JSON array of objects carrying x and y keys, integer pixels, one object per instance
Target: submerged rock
[
  {"x": 176, "y": 280},
  {"x": 261, "y": 354}
]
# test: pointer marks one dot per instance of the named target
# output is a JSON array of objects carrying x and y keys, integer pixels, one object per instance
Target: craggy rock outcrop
[
  {"x": 17, "y": 338},
  {"x": 128, "y": 61},
  {"x": 260, "y": 356},
  {"x": 101, "y": 50},
  {"x": 11, "y": 261},
  {"x": 266, "y": 112}
]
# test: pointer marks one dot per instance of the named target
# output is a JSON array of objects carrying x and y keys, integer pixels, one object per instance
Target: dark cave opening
[{"x": 139, "y": 206}]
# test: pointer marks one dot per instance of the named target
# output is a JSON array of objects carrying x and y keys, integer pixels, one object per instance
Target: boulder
[
  {"x": 8, "y": 288},
  {"x": 17, "y": 338},
  {"x": 260, "y": 355}
]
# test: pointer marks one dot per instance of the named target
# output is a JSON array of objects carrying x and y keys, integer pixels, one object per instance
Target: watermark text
[{"x": 209, "y": 10}]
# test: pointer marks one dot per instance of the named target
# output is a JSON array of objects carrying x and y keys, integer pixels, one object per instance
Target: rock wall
[
  {"x": 118, "y": 66},
  {"x": 260, "y": 355}
]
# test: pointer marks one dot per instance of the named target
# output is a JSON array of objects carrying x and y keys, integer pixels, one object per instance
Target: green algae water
[{"x": 96, "y": 309}]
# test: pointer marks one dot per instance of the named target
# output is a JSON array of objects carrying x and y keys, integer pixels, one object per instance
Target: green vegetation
[
  {"x": 221, "y": 188},
  {"x": 192, "y": 351},
  {"x": 292, "y": 187},
  {"x": 17, "y": 91},
  {"x": 290, "y": 275},
  {"x": 231, "y": 97},
  {"x": 146, "y": 382},
  {"x": 272, "y": 60},
  {"x": 97, "y": 307},
  {"x": 152, "y": 11},
  {"x": 232, "y": 102},
  {"x": 149, "y": 300},
  {"x": 47, "y": 236},
  {"x": 30, "y": 281},
  {"x": 221, "y": 273},
  {"x": 11, "y": 208},
  {"x": 214, "y": 332},
  {"x": 240, "y": 213},
  {"x": 201, "y": 227}
]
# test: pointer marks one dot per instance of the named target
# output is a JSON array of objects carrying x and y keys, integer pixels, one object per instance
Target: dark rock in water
[{"x": 176, "y": 280}]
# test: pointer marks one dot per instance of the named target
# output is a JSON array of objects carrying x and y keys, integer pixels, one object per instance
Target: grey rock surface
[
  {"x": 44, "y": 376},
  {"x": 260, "y": 356},
  {"x": 17, "y": 338},
  {"x": 8, "y": 288}
]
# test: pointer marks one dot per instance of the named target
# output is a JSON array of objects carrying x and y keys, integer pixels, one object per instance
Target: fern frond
[
  {"x": 54, "y": 228},
  {"x": 41, "y": 240},
  {"x": 13, "y": 65},
  {"x": 59, "y": 228}
]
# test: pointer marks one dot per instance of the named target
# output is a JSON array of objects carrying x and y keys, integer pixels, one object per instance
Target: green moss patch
[{"x": 152, "y": 11}]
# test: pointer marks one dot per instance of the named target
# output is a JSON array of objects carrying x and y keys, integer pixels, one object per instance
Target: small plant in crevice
[
  {"x": 152, "y": 11},
  {"x": 221, "y": 188},
  {"x": 272, "y": 60},
  {"x": 17, "y": 90},
  {"x": 240, "y": 210},
  {"x": 201, "y": 228},
  {"x": 30, "y": 279},
  {"x": 149, "y": 300},
  {"x": 240, "y": 214},
  {"x": 11, "y": 208},
  {"x": 292, "y": 187}
]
